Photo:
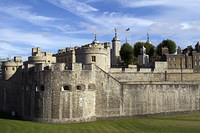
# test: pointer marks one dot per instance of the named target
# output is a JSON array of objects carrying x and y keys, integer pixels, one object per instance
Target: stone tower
[
  {"x": 179, "y": 51},
  {"x": 115, "y": 50},
  {"x": 10, "y": 67}
]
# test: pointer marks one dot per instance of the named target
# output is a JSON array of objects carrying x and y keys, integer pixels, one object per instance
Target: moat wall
[
  {"x": 140, "y": 99},
  {"x": 112, "y": 95}
]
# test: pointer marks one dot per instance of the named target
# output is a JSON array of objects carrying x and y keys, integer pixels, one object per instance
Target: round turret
[
  {"x": 9, "y": 69},
  {"x": 37, "y": 59},
  {"x": 96, "y": 54}
]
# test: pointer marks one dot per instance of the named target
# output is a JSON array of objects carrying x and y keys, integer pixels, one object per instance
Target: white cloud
[
  {"x": 171, "y": 3},
  {"x": 22, "y": 12},
  {"x": 141, "y": 3},
  {"x": 110, "y": 20},
  {"x": 49, "y": 41},
  {"x": 45, "y": 40},
  {"x": 92, "y": 1},
  {"x": 179, "y": 21},
  {"x": 73, "y": 6},
  {"x": 102, "y": 23},
  {"x": 8, "y": 49}
]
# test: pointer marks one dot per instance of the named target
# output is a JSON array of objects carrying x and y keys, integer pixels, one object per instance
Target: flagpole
[{"x": 128, "y": 29}]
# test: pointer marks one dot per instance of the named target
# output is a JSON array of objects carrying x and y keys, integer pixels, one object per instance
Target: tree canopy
[
  {"x": 150, "y": 49},
  {"x": 171, "y": 45},
  {"x": 126, "y": 53}
]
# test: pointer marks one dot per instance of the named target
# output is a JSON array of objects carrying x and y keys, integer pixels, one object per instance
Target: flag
[{"x": 128, "y": 29}]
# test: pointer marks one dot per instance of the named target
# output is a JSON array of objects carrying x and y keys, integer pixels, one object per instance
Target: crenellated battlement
[{"x": 57, "y": 67}]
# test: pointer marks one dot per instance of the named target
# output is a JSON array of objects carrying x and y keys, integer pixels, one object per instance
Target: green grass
[{"x": 167, "y": 124}]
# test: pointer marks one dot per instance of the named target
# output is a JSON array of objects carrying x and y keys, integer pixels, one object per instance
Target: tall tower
[{"x": 115, "y": 56}]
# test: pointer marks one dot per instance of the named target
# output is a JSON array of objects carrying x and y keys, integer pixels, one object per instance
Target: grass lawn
[{"x": 167, "y": 124}]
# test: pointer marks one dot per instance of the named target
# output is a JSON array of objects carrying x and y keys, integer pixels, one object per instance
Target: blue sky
[{"x": 56, "y": 24}]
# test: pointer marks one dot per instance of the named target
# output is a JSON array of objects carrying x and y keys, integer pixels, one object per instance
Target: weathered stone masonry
[{"x": 38, "y": 95}]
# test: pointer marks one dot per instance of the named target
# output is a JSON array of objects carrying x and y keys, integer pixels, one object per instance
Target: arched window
[
  {"x": 40, "y": 88},
  {"x": 91, "y": 87},
  {"x": 80, "y": 87},
  {"x": 66, "y": 88}
]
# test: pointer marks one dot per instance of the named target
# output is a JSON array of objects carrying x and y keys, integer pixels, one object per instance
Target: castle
[{"x": 82, "y": 84}]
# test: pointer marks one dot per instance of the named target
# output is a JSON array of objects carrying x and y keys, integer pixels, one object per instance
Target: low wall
[{"x": 140, "y": 99}]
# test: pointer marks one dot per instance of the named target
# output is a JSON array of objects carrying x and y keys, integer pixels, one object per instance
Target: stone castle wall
[
  {"x": 39, "y": 96},
  {"x": 155, "y": 77},
  {"x": 140, "y": 99}
]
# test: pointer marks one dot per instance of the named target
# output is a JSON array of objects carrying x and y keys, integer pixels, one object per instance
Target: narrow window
[
  {"x": 174, "y": 65},
  {"x": 46, "y": 68},
  {"x": 66, "y": 88},
  {"x": 38, "y": 89},
  {"x": 174, "y": 58},
  {"x": 80, "y": 87},
  {"x": 13, "y": 69},
  {"x": 169, "y": 59},
  {"x": 93, "y": 58},
  {"x": 195, "y": 63}
]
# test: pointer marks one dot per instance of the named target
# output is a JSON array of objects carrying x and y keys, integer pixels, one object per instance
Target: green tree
[
  {"x": 150, "y": 49},
  {"x": 126, "y": 53},
  {"x": 166, "y": 43}
]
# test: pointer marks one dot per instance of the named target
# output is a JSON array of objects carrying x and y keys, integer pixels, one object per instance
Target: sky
[{"x": 57, "y": 24}]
